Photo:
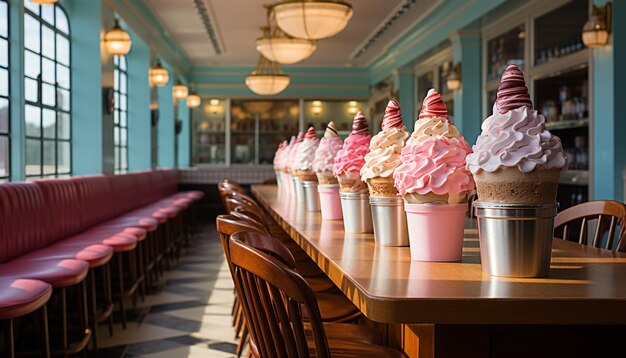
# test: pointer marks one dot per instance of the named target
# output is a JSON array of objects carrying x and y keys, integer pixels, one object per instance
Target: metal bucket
[
  {"x": 357, "y": 212},
  {"x": 389, "y": 218},
  {"x": 515, "y": 240},
  {"x": 298, "y": 189},
  {"x": 311, "y": 195}
]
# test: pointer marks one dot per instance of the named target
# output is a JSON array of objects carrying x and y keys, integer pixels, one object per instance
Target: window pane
[
  {"x": 4, "y": 156},
  {"x": 31, "y": 6},
  {"x": 63, "y": 76},
  {"x": 124, "y": 159},
  {"x": 4, "y": 115},
  {"x": 48, "y": 94},
  {"x": 4, "y": 53},
  {"x": 123, "y": 82},
  {"x": 47, "y": 72},
  {"x": 64, "y": 156},
  {"x": 33, "y": 157},
  {"x": 49, "y": 123},
  {"x": 64, "y": 99},
  {"x": 32, "y": 67},
  {"x": 63, "y": 50},
  {"x": 4, "y": 16},
  {"x": 123, "y": 102},
  {"x": 123, "y": 136},
  {"x": 4, "y": 82},
  {"x": 47, "y": 41},
  {"x": 123, "y": 63},
  {"x": 31, "y": 33},
  {"x": 116, "y": 135},
  {"x": 116, "y": 116},
  {"x": 32, "y": 115},
  {"x": 62, "y": 21},
  {"x": 63, "y": 125},
  {"x": 123, "y": 119},
  {"x": 47, "y": 13},
  {"x": 31, "y": 90},
  {"x": 116, "y": 100},
  {"x": 49, "y": 157}
]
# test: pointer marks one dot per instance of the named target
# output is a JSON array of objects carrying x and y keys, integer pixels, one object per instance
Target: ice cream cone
[
  {"x": 432, "y": 198},
  {"x": 510, "y": 185},
  {"x": 306, "y": 175},
  {"x": 326, "y": 178},
  {"x": 382, "y": 187},
  {"x": 350, "y": 182}
]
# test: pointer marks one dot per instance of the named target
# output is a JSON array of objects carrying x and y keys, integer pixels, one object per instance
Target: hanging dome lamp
[
  {"x": 267, "y": 78},
  {"x": 312, "y": 19},
  {"x": 279, "y": 47}
]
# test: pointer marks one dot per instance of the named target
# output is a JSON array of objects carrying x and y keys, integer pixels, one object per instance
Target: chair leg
[
  {"x": 242, "y": 342},
  {"x": 120, "y": 273},
  {"x": 64, "y": 317},
  {"x": 9, "y": 337},
  {"x": 94, "y": 309},
  {"x": 46, "y": 333},
  {"x": 109, "y": 295}
]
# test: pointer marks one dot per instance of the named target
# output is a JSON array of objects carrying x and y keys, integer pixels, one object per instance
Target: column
[
  {"x": 166, "y": 122},
  {"x": 139, "y": 125},
  {"x": 466, "y": 46},
  {"x": 16, "y": 89},
  {"x": 608, "y": 125},
  {"x": 184, "y": 146},
  {"x": 405, "y": 83},
  {"x": 87, "y": 133}
]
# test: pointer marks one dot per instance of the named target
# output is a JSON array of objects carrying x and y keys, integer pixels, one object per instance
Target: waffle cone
[
  {"x": 306, "y": 175},
  {"x": 382, "y": 187},
  {"x": 510, "y": 186},
  {"x": 326, "y": 178},
  {"x": 432, "y": 198},
  {"x": 350, "y": 182}
]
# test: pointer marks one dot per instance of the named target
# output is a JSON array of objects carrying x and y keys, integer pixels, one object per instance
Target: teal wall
[
  {"x": 85, "y": 25},
  {"x": 609, "y": 127},
  {"x": 166, "y": 122},
  {"x": 16, "y": 49},
  {"x": 184, "y": 144},
  {"x": 138, "y": 105}
]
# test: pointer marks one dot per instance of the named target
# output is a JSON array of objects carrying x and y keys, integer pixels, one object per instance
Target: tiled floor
[{"x": 189, "y": 317}]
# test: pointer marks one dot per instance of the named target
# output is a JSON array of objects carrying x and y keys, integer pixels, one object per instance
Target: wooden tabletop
[{"x": 585, "y": 285}]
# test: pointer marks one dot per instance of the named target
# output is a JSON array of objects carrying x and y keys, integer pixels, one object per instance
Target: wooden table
[{"x": 440, "y": 304}]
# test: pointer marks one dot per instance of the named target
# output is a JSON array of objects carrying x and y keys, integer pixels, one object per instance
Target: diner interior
[{"x": 312, "y": 178}]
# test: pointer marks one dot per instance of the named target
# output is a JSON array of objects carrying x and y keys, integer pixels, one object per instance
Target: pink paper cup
[
  {"x": 330, "y": 204},
  {"x": 436, "y": 231}
]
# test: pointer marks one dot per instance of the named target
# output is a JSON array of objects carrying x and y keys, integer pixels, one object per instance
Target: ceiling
[{"x": 236, "y": 25}]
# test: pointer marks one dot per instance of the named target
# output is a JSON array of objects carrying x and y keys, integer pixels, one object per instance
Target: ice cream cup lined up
[
  {"x": 291, "y": 161},
  {"x": 325, "y": 155},
  {"x": 432, "y": 168},
  {"x": 516, "y": 160},
  {"x": 303, "y": 162},
  {"x": 384, "y": 155},
  {"x": 350, "y": 159}
]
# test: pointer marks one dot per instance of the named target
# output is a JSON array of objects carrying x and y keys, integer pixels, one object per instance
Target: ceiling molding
[{"x": 204, "y": 12}]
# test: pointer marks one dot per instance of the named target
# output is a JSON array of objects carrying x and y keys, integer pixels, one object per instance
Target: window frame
[
  {"x": 118, "y": 128},
  {"x": 42, "y": 138},
  {"x": 7, "y": 98}
]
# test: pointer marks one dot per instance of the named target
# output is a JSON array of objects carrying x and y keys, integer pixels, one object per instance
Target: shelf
[
  {"x": 211, "y": 132},
  {"x": 575, "y": 177},
  {"x": 567, "y": 124}
]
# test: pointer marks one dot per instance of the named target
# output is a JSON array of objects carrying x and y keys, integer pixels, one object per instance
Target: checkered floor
[{"x": 189, "y": 317}]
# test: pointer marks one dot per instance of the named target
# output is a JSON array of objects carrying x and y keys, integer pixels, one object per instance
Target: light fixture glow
[
  {"x": 158, "y": 76},
  {"x": 214, "y": 102},
  {"x": 453, "y": 82},
  {"x": 193, "y": 101},
  {"x": 597, "y": 29},
  {"x": 312, "y": 20},
  {"x": 267, "y": 78},
  {"x": 316, "y": 107},
  {"x": 279, "y": 47},
  {"x": 117, "y": 41},
  {"x": 180, "y": 91},
  {"x": 44, "y": 2}
]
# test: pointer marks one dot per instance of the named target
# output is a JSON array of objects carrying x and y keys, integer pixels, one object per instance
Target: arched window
[
  {"x": 47, "y": 91},
  {"x": 120, "y": 118},
  {"x": 5, "y": 154}
]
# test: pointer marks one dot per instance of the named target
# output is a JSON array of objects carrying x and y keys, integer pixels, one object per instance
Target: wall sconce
[
  {"x": 597, "y": 29},
  {"x": 213, "y": 107},
  {"x": 316, "y": 107},
  {"x": 453, "y": 82},
  {"x": 180, "y": 91},
  {"x": 353, "y": 107},
  {"x": 117, "y": 40},
  {"x": 193, "y": 100},
  {"x": 158, "y": 75}
]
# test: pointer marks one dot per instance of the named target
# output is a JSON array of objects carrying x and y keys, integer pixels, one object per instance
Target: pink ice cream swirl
[
  {"x": 433, "y": 159},
  {"x": 306, "y": 151},
  {"x": 351, "y": 156},
  {"x": 515, "y": 134},
  {"x": 279, "y": 153},
  {"x": 291, "y": 155},
  {"x": 325, "y": 154}
]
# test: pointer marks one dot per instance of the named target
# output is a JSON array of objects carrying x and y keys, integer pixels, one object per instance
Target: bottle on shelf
[{"x": 582, "y": 155}]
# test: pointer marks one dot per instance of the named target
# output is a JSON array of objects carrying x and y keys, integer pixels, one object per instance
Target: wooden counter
[{"x": 586, "y": 286}]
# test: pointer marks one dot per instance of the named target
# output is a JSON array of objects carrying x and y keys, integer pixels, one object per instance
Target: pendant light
[
  {"x": 117, "y": 40},
  {"x": 312, "y": 19},
  {"x": 279, "y": 47},
  {"x": 597, "y": 29},
  {"x": 180, "y": 91},
  {"x": 158, "y": 76},
  {"x": 267, "y": 78},
  {"x": 193, "y": 100},
  {"x": 44, "y": 2}
]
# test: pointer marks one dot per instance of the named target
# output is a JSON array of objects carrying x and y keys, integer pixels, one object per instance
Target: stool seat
[
  {"x": 19, "y": 297},
  {"x": 96, "y": 255},
  {"x": 119, "y": 242},
  {"x": 144, "y": 222},
  {"x": 58, "y": 273}
]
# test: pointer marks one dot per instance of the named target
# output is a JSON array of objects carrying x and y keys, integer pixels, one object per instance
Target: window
[
  {"x": 47, "y": 91},
  {"x": 4, "y": 92},
  {"x": 120, "y": 115}
]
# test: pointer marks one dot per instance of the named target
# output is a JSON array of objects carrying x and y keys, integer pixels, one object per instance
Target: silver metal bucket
[
  {"x": 312, "y": 197},
  {"x": 298, "y": 189},
  {"x": 515, "y": 240},
  {"x": 389, "y": 218},
  {"x": 357, "y": 212}
]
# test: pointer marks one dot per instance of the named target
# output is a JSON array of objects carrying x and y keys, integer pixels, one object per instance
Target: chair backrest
[
  {"x": 272, "y": 297},
  {"x": 573, "y": 224},
  {"x": 246, "y": 213},
  {"x": 61, "y": 202}
]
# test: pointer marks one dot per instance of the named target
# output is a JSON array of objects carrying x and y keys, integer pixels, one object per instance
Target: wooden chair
[
  {"x": 573, "y": 224},
  {"x": 273, "y": 297}
]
